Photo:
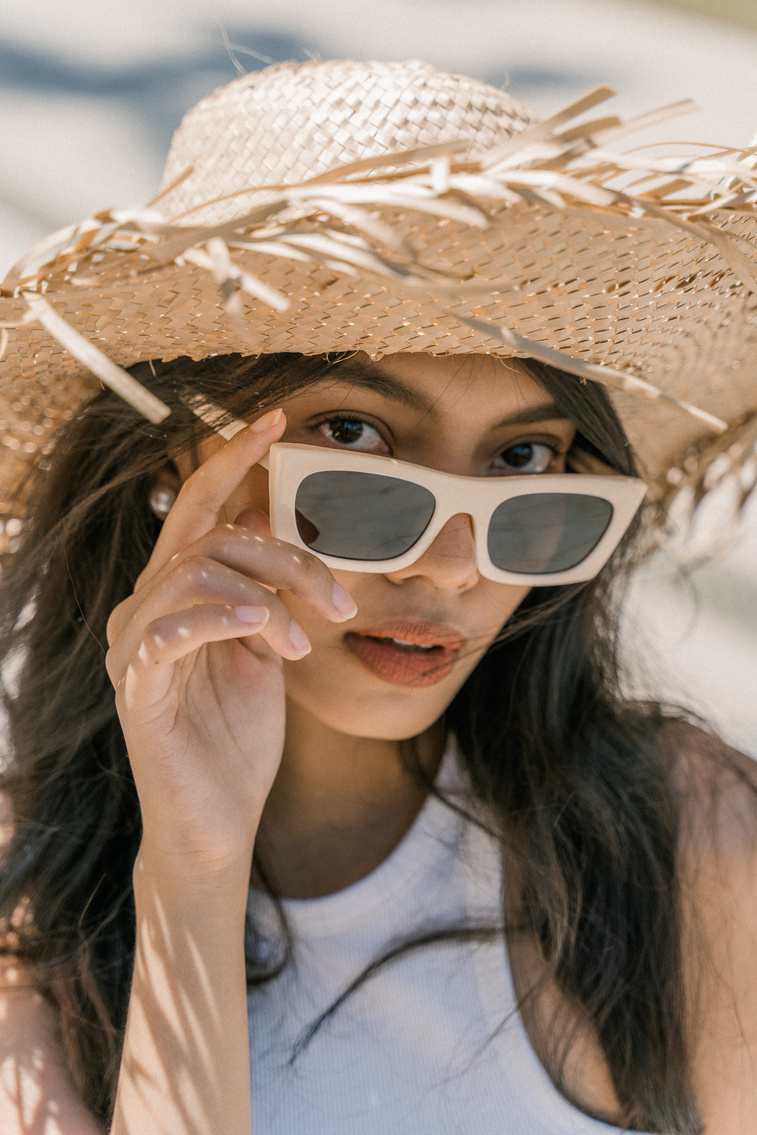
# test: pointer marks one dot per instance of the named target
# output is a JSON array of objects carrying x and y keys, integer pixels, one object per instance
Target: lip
[{"x": 403, "y": 667}]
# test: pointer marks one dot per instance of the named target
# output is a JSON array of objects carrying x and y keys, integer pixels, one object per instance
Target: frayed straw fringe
[
  {"x": 607, "y": 376},
  {"x": 563, "y": 168}
]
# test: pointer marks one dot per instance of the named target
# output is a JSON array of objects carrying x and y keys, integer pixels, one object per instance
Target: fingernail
[
  {"x": 267, "y": 422},
  {"x": 299, "y": 639},
  {"x": 343, "y": 602},
  {"x": 252, "y": 614}
]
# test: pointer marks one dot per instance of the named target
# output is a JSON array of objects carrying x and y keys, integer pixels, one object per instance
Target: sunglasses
[{"x": 362, "y": 512}]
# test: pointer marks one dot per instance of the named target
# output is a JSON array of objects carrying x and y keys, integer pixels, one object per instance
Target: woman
[{"x": 487, "y": 893}]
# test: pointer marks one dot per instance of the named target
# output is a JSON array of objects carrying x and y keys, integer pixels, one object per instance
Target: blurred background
[{"x": 91, "y": 91}]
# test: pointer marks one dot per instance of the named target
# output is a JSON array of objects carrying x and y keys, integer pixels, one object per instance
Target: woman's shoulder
[{"x": 717, "y": 788}]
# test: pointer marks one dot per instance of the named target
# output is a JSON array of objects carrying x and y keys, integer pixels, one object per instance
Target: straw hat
[{"x": 389, "y": 207}]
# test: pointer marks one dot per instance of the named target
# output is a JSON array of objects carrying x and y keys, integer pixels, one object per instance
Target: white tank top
[{"x": 431, "y": 1045}]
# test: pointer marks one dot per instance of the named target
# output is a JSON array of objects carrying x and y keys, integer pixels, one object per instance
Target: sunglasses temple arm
[{"x": 217, "y": 418}]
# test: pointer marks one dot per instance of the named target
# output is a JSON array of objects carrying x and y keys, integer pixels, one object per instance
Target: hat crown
[{"x": 291, "y": 122}]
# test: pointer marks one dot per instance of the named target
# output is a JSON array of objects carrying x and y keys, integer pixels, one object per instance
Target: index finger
[{"x": 203, "y": 494}]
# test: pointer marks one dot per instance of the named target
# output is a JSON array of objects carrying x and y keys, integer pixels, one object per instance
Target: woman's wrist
[{"x": 188, "y": 880}]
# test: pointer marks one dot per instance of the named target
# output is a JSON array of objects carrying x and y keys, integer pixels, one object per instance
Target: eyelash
[
  {"x": 347, "y": 416},
  {"x": 343, "y": 416},
  {"x": 557, "y": 450}
]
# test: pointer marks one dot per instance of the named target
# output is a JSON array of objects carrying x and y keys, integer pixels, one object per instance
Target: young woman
[{"x": 324, "y": 802}]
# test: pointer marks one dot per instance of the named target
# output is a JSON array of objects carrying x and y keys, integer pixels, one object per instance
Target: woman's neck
[{"x": 339, "y": 806}]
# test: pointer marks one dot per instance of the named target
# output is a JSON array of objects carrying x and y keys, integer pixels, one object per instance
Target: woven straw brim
[{"x": 653, "y": 281}]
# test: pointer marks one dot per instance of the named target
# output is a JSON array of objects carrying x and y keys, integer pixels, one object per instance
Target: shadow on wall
[{"x": 160, "y": 91}]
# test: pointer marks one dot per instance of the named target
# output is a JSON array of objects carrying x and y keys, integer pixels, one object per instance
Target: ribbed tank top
[{"x": 433, "y": 1044}]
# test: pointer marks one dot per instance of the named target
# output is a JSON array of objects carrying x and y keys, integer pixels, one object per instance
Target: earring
[{"x": 161, "y": 500}]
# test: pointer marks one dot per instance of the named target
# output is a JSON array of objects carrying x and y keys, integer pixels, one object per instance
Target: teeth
[{"x": 412, "y": 645}]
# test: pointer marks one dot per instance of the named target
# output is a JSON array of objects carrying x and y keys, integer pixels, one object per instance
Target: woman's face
[{"x": 467, "y": 414}]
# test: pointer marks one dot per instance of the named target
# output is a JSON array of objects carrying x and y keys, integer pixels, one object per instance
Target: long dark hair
[{"x": 570, "y": 774}]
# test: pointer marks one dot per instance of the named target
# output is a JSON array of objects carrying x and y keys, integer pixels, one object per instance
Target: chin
[{"x": 384, "y": 714}]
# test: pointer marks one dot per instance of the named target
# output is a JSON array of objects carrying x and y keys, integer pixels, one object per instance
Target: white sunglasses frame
[{"x": 477, "y": 497}]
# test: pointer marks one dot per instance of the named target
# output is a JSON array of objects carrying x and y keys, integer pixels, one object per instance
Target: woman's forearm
[{"x": 185, "y": 1064}]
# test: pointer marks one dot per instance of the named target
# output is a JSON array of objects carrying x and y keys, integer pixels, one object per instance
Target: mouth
[{"x": 407, "y": 654}]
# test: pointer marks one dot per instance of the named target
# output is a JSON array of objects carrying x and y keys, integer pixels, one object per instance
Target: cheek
[
  {"x": 503, "y": 599},
  {"x": 493, "y": 604}
]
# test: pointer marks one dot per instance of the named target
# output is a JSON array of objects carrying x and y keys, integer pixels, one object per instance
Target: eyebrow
[
  {"x": 546, "y": 412},
  {"x": 368, "y": 377}
]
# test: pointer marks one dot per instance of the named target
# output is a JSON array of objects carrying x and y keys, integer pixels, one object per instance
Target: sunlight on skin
[
  {"x": 35, "y": 1090},
  {"x": 176, "y": 1011}
]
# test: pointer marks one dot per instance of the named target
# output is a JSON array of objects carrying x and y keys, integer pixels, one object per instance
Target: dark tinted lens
[
  {"x": 547, "y": 532},
  {"x": 361, "y": 516}
]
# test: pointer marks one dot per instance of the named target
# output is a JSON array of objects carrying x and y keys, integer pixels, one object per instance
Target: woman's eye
[
  {"x": 353, "y": 434},
  {"x": 527, "y": 457}
]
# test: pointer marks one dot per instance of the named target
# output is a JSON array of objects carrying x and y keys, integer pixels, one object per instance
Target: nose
[{"x": 449, "y": 562}]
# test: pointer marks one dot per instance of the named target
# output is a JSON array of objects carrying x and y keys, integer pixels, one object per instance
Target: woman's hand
[{"x": 196, "y": 660}]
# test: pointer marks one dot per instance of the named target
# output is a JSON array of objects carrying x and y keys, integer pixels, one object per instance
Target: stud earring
[{"x": 161, "y": 500}]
